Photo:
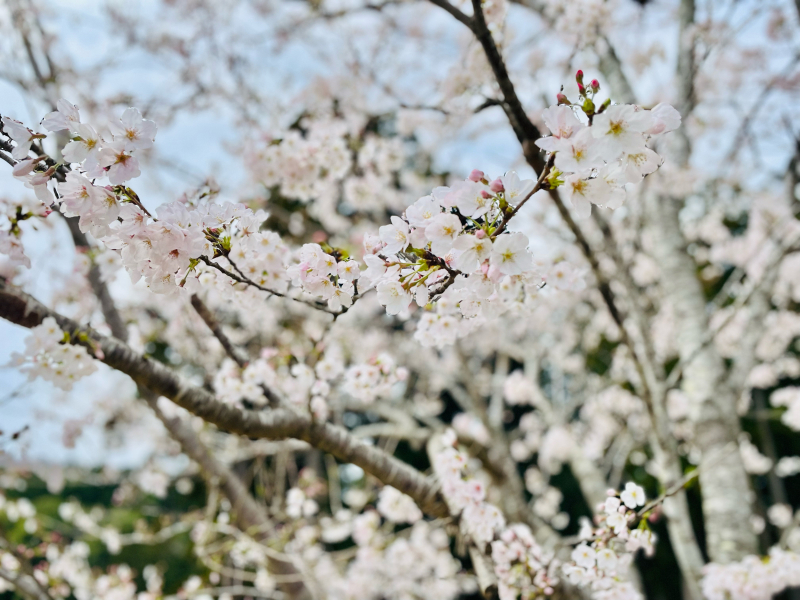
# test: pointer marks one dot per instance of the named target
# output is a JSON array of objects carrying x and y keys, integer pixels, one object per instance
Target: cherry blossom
[
  {"x": 533, "y": 358},
  {"x": 85, "y": 144},
  {"x": 510, "y": 254},
  {"x": 23, "y": 137},
  {"x": 620, "y": 128},
  {"x": 120, "y": 165},
  {"x": 395, "y": 236},
  {"x": 132, "y": 132},
  {"x": 66, "y": 116},
  {"x": 47, "y": 356},
  {"x": 392, "y": 295}
]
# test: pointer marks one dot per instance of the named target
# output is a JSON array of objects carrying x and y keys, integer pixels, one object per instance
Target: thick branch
[
  {"x": 726, "y": 504},
  {"x": 20, "y": 308}
]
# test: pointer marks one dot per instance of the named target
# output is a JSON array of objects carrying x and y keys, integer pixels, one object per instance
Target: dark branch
[{"x": 444, "y": 4}]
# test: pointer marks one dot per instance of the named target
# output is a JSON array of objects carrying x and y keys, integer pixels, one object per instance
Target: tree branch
[
  {"x": 280, "y": 423},
  {"x": 209, "y": 319},
  {"x": 444, "y": 4},
  {"x": 242, "y": 279}
]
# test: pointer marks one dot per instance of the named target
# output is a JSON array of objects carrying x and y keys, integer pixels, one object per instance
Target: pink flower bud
[
  {"x": 485, "y": 194},
  {"x": 496, "y": 186},
  {"x": 99, "y": 354},
  {"x": 579, "y": 77},
  {"x": 581, "y": 89},
  {"x": 494, "y": 274},
  {"x": 480, "y": 234},
  {"x": 562, "y": 99},
  {"x": 267, "y": 353},
  {"x": 595, "y": 85},
  {"x": 475, "y": 175}
]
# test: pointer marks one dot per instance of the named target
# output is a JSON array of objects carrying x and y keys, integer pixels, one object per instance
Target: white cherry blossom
[
  {"x": 392, "y": 295},
  {"x": 442, "y": 232},
  {"x": 619, "y": 129},
  {"x": 395, "y": 236},
  {"x": 474, "y": 250},
  {"x": 510, "y": 254},
  {"x": 132, "y": 132},
  {"x": 85, "y": 143},
  {"x": 66, "y": 116},
  {"x": 633, "y": 495},
  {"x": 21, "y": 135}
]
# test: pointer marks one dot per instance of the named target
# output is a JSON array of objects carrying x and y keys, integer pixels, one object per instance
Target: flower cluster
[
  {"x": 62, "y": 569},
  {"x": 163, "y": 251},
  {"x": 416, "y": 565},
  {"x": 233, "y": 385},
  {"x": 753, "y": 578},
  {"x": 95, "y": 157},
  {"x": 523, "y": 569},
  {"x": 331, "y": 277},
  {"x": 299, "y": 505},
  {"x": 467, "y": 497},
  {"x": 335, "y": 165},
  {"x": 304, "y": 386},
  {"x": 598, "y": 150},
  {"x": 12, "y": 215},
  {"x": 47, "y": 356},
  {"x": 373, "y": 379},
  {"x": 601, "y": 563},
  {"x": 397, "y": 507},
  {"x": 521, "y": 566},
  {"x": 452, "y": 246},
  {"x": 99, "y": 157},
  {"x": 303, "y": 166}
]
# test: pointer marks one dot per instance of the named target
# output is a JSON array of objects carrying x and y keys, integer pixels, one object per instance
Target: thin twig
[
  {"x": 678, "y": 486},
  {"x": 542, "y": 176},
  {"x": 209, "y": 319},
  {"x": 246, "y": 281}
]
